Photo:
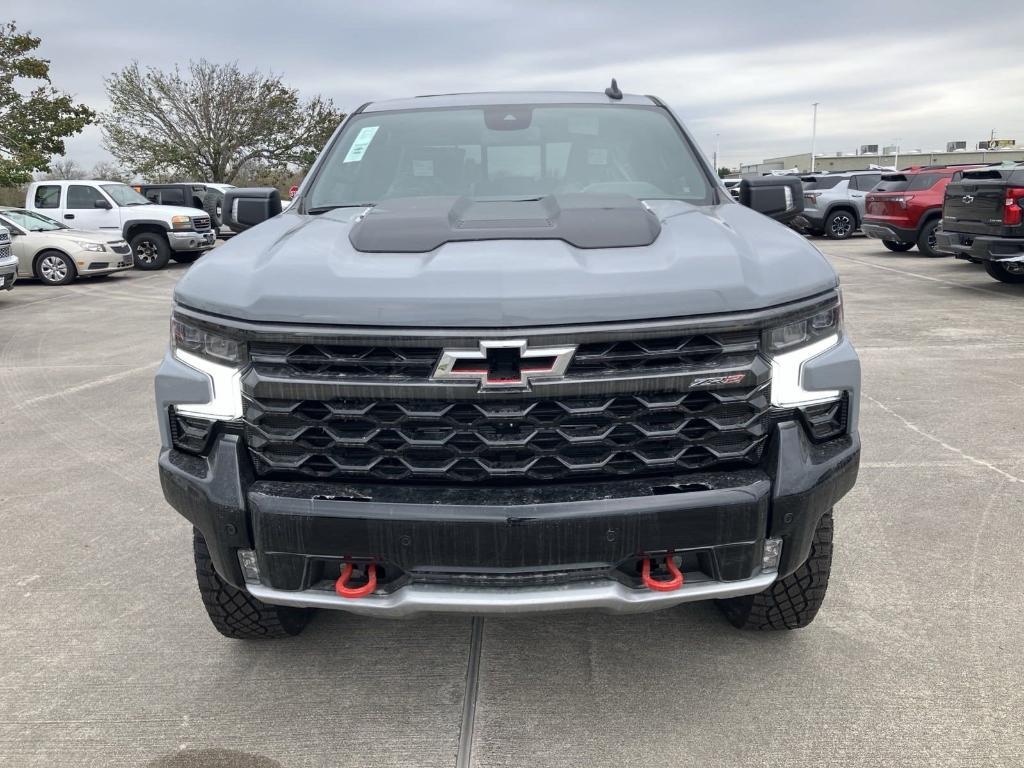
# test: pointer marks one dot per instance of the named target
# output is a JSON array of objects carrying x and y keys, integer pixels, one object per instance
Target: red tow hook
[
  {"x": 346, "y": 573},
  {"x": 662, "y": 586}
]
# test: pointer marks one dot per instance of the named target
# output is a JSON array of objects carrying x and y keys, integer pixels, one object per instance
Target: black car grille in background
[
  {"x": 596, "y": 359},
  {"x": 506, "y": 439}
]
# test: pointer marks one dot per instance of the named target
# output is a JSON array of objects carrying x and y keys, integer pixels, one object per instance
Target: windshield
[
  {"x": 32, "y": 222},
  {"x": 124, "y": 195},
  {"x": 510, "y": 152},
  {"x": 820, "y": 182},
  {"x": 892, "y": 182}
]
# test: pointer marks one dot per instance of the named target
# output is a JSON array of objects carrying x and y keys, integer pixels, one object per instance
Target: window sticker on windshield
[
  {"x": 585, "y": 124},
  {"x": 422, "y": 167},
  {"x": 597, "y": 156},
  {"x": 358, "y": 148}
]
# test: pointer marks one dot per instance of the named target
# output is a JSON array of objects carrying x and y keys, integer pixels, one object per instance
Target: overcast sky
[{"x": 925, "y": 72}]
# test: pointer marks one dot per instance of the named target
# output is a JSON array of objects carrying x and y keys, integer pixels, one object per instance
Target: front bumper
[
  {"x": 8, "y": 273},
  {"x": 192, "y": 240},
  {"x": 889, "y": 232},
  {"x": 979, "y": 247},
  {"x": 511, "y": 549}
]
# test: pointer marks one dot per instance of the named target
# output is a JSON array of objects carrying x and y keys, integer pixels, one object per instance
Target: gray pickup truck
[{"x": 510, "y": 352}]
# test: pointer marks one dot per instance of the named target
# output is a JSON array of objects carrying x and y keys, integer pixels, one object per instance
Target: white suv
[{"x": 157, "y": 233}]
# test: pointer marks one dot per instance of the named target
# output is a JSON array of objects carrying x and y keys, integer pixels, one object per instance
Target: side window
[
  {"x": 867, "y": 181},
  {"x": 47, "y": 196},
  {"x": 153, "y": 195},
  {"x": 172, "y": 197},
  {"x": 81, "y": 196}
]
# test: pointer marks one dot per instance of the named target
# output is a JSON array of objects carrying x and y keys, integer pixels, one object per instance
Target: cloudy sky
[{"x": 924, "y": 72}]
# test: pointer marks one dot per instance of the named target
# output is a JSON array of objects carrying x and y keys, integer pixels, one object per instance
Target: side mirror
[
  {"x": 246, "y": 207},
  {"x": 101, "y": 204},
  {"x": 780, "y": 197}
]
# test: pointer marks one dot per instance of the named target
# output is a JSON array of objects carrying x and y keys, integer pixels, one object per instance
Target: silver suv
[{"x": 834, "y": 202}]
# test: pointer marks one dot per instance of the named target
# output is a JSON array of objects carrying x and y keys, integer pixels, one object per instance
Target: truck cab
[{"x": 156, "y": 233}]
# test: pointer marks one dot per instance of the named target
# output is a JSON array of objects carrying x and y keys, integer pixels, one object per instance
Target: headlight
[
  {"x": 197, "y": 340},
  {"x": 181, "y": 222},
  {"x": 791, "y": 345},
  {"x": 221, "y": 358},
  {"x": 87, "y": 245}
]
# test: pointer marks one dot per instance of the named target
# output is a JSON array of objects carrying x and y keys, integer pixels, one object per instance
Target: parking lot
[{"x": 916, "y": 658}]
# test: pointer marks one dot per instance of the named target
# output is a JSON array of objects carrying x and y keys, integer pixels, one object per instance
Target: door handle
[{"x": 69, "y": 215}]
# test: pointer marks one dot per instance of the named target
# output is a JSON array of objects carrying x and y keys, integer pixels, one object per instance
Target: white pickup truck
[{"x": 157, "y": 233}]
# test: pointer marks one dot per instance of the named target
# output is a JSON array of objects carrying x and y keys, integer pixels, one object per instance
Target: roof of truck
[{"x": 505, "y": 97}]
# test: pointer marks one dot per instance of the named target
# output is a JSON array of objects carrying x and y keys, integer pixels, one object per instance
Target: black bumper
[
  {"x": 889, "y": 232},
  {"x": 510, "y": 535},
  {"x": 9, "y": 275},
  {"x": 980, "y": 247}
]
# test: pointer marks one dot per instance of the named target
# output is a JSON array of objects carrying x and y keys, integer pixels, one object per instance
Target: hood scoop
[{"x": 422, "y": 224}]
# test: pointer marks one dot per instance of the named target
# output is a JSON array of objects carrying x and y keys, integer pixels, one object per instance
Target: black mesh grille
[
  {"x": 664, "y": 353},
  {"x": 636, "y": 356},
  {"x": 507, "y": 439}
]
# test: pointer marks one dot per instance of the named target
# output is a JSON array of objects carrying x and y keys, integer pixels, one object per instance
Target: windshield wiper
[{"x": 326, "y": 208}]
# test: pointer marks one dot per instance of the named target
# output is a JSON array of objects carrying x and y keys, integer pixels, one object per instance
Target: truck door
[{"x": 88, "y": 208}]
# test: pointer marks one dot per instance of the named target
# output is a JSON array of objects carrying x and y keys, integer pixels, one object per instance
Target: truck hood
[
  {"x": 303, "y": 269},
  {"x": 161, "y": 212}
]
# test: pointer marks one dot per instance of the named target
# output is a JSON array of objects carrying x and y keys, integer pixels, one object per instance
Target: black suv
[{"x": 983, "y": 220}]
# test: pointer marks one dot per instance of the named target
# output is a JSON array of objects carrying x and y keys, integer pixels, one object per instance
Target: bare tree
[
  {"x": 65, "y": 168},
  {"x": 209, "y": 122},
  {"x": 107, "y": 171}
]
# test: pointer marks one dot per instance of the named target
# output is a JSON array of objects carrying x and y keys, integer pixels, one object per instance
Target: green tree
[
  {"x": 35, "y": 118},
  {"x": 724, "y": 173},
  {"x": 211, "y": 121}
]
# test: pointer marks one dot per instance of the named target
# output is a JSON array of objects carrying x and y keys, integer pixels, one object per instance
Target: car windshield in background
[
  {"x": 820, "y": 182},
  {"x": 124, "y": 195},
  {"x": 509, "y": 153},
  {"x": 32, "y": 222}
]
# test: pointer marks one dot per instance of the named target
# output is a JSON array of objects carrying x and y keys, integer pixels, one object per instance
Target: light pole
[
  {"x": 814, "y": 132},
  {"x": 716, "y": 154},
  {"x": 896, "y": 157}
]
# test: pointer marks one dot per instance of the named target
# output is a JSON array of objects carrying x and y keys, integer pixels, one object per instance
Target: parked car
[
  {"x": 834, "y": 202},
  {"x": 983, "y": 220},
  {"x": 586, "y": 398},
  {"x": 156, "y": 233},
  {"x": 8, "y": 261},
  {"x": 905, "y": 208},
  {"x": 57, "y": 254}
]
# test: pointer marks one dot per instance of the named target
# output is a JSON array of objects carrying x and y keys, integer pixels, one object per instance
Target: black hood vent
[{"x": 421, "y": 224}]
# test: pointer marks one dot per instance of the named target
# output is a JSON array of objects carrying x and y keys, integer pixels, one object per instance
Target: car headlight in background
[
  {"x": 181, "y": 222},
  {"x": 791, "y": 345},
  {"x": 221, "y": 358},
  {"x": 87, "y": 245}
]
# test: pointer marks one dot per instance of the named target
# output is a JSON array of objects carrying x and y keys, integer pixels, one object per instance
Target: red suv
[{"x": 905, "y": 208}]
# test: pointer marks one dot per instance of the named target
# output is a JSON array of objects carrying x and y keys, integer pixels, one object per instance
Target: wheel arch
[
  {"x": 138, "y": 226},
  {"x": 842, "y": 205}
]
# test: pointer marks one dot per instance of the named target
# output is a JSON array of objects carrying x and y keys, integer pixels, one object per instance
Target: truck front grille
[
  {"x": 595, "y": 359},
  {"x": 505, "y": 439},
  {"x": 201, "y": 222}
]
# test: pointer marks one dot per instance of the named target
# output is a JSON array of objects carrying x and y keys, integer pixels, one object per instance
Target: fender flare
[{"x": 135, "y": 223}]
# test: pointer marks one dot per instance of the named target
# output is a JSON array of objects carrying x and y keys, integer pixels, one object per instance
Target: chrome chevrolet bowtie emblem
[
  {"x": 968, "y": 199},
  {"x": 498, "y": 364}
]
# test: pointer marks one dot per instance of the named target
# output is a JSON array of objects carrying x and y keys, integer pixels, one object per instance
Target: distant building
[
  {"x": 954, "y": 146},
  {"x": 868, "y": 149},
  {"x": 823, "y": 163}
]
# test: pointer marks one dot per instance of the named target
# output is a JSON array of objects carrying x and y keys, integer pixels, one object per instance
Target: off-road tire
[
  {"x": 237, "y": 614},
  {"x": 186, "y": 257},
  {"x": 840, "y": 225},
  {"x": 792, "y": 602},
  {"x": 926, "y": 239},
  {"x": 212, "y": 202},
  {"x": 1001, "y": 273},
  {"x": 895, "y": 247},
  {"x": 150, "y": 251}
]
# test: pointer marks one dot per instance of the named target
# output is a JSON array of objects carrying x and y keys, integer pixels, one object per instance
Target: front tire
[
  {"x": 56, "y": 268},
  {"x": 840, "y": 225},
  {"x": 926, "y": 239},
  {"x": 792, "y": 602},
  {"x": 150, "y": 251},
  {"x": 895, "y": 247},
  {"x": 237, "y": 614},
  {"x": 1006, "y": 272}
]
